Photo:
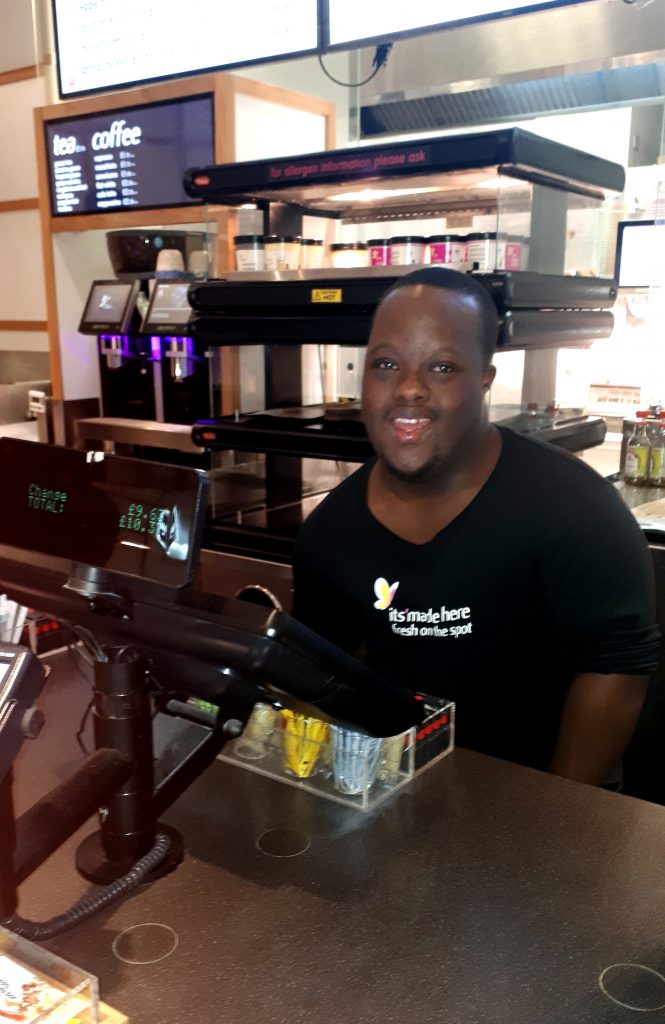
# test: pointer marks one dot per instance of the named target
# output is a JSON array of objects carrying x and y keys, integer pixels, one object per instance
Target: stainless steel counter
[
  {"x": 484, "y": 892},
  {"x": 116, "y": 430}
]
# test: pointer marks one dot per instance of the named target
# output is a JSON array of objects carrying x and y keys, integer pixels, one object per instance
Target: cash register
[{"x": 110, "y": 546}]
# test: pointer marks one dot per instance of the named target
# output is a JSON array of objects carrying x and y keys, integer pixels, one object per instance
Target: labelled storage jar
[
  {"x": 379, "y": 252},
  {"x": 282, "y": 252},
  {"x": 250, "y": 254},
  {"x": 311, "y": 253},
  {"x": 349, "y": 254},
  {"x": 481, "y": 249},
  {"x": 447, "y": 249},
  {"x": 406, "y": 249},
  {"x": 512, "y": 252}
]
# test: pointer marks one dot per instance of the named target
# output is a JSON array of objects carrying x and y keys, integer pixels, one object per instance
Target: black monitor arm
[
  {"x": 228, "y": 653},
  {"x": 110, "y": 546},
  {"x": 27, "y": 842}
]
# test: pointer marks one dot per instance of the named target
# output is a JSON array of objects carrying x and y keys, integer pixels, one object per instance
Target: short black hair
[{"x": 461, "y": 284}]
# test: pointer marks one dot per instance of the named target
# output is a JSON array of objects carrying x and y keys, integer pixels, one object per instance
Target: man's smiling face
[{"x": 425, "y": 381}]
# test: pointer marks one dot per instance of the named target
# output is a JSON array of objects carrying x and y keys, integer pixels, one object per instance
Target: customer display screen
[
  {"x": 169, "y": 307},
  {"x": 128, "y": 159},
  {"x": 640, "y": 257},
  {"x": 109, "y": 307},
  {"x": 350, "y": 22},
  {"x": 128, "y": 516}
]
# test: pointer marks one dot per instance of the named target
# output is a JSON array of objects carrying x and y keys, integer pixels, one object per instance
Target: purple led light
[{"x": 188, "y": 349}]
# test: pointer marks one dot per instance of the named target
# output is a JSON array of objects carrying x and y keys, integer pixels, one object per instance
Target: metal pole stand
[
  {"x": 123, "y": 720},
  {"x": 8, "y": 894}
]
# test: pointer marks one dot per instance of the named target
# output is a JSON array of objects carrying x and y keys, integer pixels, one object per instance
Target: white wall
[
  {"x": 79, "y": 259},
  {"x": 18, "y": 160},
  {"x": 305, "y": 75},
  {"x": 22, "y": 291},
  {"x": 21, "y": 280},
  {"x": 17, "y": 39}
]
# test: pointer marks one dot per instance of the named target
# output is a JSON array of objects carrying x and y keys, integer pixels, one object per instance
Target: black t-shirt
[{"x": 544, "y": 575}]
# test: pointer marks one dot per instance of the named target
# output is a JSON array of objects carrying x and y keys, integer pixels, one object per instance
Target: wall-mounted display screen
[
  {"x": 109, "y": 307},
  {"x": 169, "y": 307},
  {"x": 109, "y": 45},
  {"x": 351, "y": 23},
  {"x": 123, "y": 515},
  {"x": 128, "y": 159},
  {"x": 640, "y": 258}
]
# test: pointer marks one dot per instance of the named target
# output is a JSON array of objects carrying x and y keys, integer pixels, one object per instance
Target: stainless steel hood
[{"x": 603, "y": 54}]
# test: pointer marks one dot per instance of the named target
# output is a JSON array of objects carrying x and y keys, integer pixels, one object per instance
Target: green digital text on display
[
  {"x": 142, "y": 519},
  {"x": 46, "y": 499}
]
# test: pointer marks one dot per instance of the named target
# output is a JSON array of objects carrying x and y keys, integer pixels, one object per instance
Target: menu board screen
[
  {"x": 128, "y": 159},
  {"x": 106, "y": 44},
  {"x": 350, "y": 22}
]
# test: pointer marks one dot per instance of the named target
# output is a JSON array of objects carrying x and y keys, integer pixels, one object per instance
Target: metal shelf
[
  {"x": 347, "y": 441},
  {"x": 258, "y": 432},
  {"x": 336, "y": 307},
  {"x": 444, "y": 173}
]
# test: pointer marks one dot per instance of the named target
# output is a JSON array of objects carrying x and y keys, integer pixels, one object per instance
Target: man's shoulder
[
  {"x": 560, "y": 488},
  {"x": 541, "y": 463}
]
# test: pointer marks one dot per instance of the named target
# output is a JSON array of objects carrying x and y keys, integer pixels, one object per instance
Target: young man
[{"x": 474, "y": 563}]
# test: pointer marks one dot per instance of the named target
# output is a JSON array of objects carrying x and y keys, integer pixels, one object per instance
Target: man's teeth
[{"x": 411, "y": 422}]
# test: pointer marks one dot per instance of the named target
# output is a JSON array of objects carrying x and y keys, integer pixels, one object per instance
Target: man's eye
[
  {"x": 384, "y": 364},
  {"x": 442, "y": 368}
]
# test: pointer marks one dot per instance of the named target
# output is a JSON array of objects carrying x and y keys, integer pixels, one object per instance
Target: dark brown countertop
[{"x": 483, "y": 892}]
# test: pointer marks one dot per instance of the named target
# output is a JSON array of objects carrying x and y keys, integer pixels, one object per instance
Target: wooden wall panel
[
  {"x": 21, "y": 279},
  {"x": 18, "y": 162}
]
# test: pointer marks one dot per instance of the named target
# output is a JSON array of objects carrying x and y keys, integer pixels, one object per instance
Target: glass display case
[
  {"x": 37, "y": 986},
  {"x": 478, "y": 183},
  {"x": 506, "y": 206},
  {"x": 338, "y": 763}
]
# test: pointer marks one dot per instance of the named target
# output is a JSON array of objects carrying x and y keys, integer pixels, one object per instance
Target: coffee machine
[
  {"x": 150, "y": 369},
  {"x": 182, "y": 372},
  {"x": 126, "y": 356}
]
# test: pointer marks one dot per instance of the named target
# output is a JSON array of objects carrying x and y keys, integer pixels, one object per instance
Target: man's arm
[{"x": 598, "y": 720}]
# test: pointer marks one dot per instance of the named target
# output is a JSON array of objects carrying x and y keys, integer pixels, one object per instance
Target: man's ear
[{"x": 489, "y": 374}]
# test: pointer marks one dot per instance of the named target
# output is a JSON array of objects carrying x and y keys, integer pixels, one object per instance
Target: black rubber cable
[
  {"x": 39, "y": 931},
  {"x": 380, "y": 59}
]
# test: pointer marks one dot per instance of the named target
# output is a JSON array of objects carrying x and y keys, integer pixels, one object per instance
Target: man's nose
[{"x": 411, "y": 384}]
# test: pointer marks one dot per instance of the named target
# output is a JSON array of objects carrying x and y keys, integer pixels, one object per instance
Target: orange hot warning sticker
[{"x": 326, "y": 294}]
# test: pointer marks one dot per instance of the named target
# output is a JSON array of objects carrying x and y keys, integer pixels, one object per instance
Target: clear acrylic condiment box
[
  {"x": 36, "y": 986},
  {"x": 338, "y": 763}
]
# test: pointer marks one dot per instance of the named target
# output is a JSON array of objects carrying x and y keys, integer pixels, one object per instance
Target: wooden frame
[
  {"x": 224, "y": 89},
  {"x": 19, "y": 74},
  {"x": 23, "y": 325},
  {"x": 12, "y": 205}
]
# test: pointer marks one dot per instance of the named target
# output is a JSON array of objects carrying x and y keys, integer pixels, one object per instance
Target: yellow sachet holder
[{"x": 303, "y": 739}]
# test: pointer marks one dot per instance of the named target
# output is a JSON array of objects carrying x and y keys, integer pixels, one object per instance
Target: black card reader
[{"x": 21, "y": 682}]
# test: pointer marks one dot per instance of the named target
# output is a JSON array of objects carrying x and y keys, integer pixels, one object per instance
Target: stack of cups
[{"x": 355, "y": 760}]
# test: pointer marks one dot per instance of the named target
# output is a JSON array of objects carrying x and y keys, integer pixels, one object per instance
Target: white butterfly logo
[{"x": 384, "y": 592}]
